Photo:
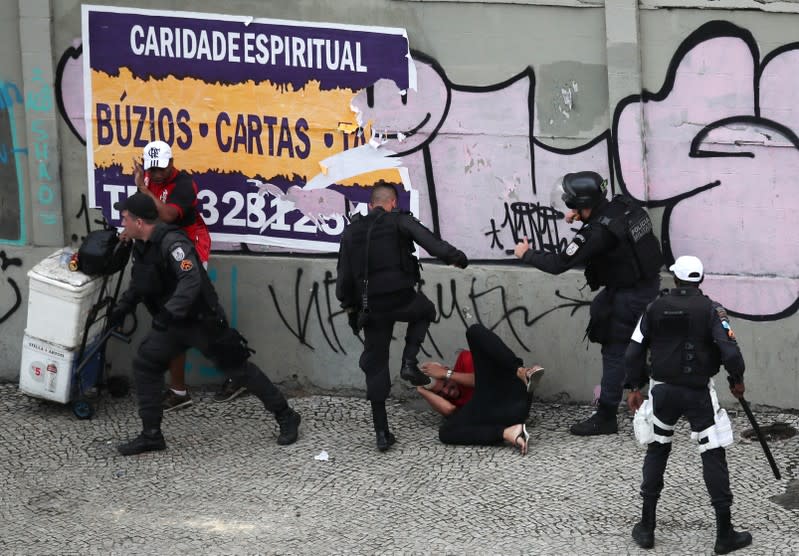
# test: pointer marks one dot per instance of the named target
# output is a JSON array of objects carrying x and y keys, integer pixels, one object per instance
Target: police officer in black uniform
[
  {"x": 619, "y": 251},
  {"x": 688, "y": 335},
  {"x": 377, "y": 275},
  {"x": 168, "y": 278}
]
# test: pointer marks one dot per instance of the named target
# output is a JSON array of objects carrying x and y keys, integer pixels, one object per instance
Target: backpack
[{"x": 101, "y": 253}]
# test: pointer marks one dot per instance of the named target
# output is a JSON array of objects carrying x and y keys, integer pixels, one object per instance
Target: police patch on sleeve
[
  {"x": 186, "y": 265},
  {"x": 575, "y": 245},
  {"x": 725, "y": 321},
  {"x": 178, "y": 254}
]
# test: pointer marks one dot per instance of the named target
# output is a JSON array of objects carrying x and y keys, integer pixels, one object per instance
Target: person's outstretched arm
[{"x": 438, "y": 403}]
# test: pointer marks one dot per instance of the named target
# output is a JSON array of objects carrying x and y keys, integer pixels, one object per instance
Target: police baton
[{"x": 761, "y": 438}]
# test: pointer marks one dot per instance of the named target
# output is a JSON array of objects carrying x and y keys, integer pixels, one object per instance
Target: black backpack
[{"x": 101, "y": 253}]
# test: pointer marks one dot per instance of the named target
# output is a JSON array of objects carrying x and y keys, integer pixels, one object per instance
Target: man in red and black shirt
[{"x": 175, "y": 195}]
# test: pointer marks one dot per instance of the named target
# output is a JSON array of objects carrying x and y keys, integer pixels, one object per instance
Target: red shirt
[
  {"x": 463, "y": 364},
  {"x": 180, "y": 191}
]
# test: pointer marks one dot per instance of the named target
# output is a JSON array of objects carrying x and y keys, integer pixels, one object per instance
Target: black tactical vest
[
  {"x": 681, "y": 340},
  {"x": 392, "y": 266},
  {"x": 151, "y": 279},
  {"x": 635, "y": 257}
]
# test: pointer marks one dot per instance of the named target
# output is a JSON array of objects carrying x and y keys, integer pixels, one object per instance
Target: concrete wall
[{"x": 575, "y": 101}]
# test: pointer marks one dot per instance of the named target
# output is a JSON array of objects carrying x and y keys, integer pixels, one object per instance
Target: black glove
[
  {"x": 461, "y": 261},
  {"x": 117, "y": 317},
  {"x": 161, "y": 321},
  {"x": 352, "y": 320}
]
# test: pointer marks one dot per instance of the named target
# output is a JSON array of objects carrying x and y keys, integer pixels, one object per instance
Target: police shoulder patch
[
  {"x": 186, "y": 265},
  {"x": 178, "y": 254},
  {"x": 574, "y": 246}
]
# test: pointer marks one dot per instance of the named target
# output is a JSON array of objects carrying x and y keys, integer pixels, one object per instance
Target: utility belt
[{"x": 648, "y": 428}]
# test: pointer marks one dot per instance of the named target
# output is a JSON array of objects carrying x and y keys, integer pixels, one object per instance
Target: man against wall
[
  {"x": 378, "y": 272},
  {"x": 175, "y": 195},
  {"x": 168, "y": 278},
  {"x": 688, "y": 335},
  {"x": 619, "y": 252}
]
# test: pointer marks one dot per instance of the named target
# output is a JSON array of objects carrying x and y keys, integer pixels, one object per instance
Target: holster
[
  {"x": 598, "y": 329},
  {"x": 229, "y": 348}
]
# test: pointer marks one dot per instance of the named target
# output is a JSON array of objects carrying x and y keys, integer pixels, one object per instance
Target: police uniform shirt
[
  {"x": 593, "y": 240},
  {"x": 168, "y": 257}
]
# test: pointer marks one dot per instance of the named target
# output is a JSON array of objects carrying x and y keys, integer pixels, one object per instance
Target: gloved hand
[
  {"x": 738, "y": 390},
  {"x": 352, "y": 320},
  {"x": 161, "y": 320},
  {"x": 461, "y": 260},
  {"x": 117, "y": 317},
  {"x": 635, "y": 400}
]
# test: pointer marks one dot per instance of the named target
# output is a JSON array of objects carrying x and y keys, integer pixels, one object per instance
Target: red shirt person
[{"x": 175, "y": 195}]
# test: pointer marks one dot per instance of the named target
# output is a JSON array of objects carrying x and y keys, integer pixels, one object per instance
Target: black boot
[
  {"x": 289, "y": 422},
  {"x": 384, "y": 439},
  {"x": 644, "y": 530},
  {"x": 727, "y": 538},
  {"x": 150, "y": 440},
  {"x": 601, "y": 422},
  {"x": 410, "y": 372}
]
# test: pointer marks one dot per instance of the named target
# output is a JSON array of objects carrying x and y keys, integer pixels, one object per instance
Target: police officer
[
  {"x": 688, "y": 335},
  {"x": 168, "y": 278},
  {"x": 377, "y": 275},
  {"x": 619, "y": 251}
]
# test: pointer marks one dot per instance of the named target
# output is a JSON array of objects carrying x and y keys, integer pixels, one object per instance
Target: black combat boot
[
  {"x": 384, "y": 439},
  {"x": 601, "y": 422},
  {"x": 150, "y": 440},
  {"x": 289, "y": 422},
  {"x": 727, "y": 538},
  {"x": 410, "y": 372},
  {"x": 644, "y": 530}
]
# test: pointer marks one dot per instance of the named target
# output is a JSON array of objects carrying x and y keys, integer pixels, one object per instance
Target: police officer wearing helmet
[
  {"x": 377, "y": 276},
  {"x": 621, "y": 254},
  {"x": 689, "y": 336},
  {"x": 168, "y": 278}
]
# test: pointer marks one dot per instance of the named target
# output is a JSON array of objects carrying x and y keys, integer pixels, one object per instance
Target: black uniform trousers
[
  {"x": 500, "y": 399},
  {"x": 160, "y": 347},
  {"x": 670, "y": 403},
  {"x": 419, "y": 312},
  {"x": 627, "y": 306}
]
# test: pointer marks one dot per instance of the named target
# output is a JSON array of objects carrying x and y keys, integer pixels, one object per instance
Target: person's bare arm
[
  {"x": 438, "y": 403},
  {"x": 437, "y": 370}
]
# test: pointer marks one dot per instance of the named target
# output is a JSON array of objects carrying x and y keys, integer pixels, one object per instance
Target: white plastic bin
[
  {"x": 46, "y": 369},
  {"x": 59, "y": 302}
]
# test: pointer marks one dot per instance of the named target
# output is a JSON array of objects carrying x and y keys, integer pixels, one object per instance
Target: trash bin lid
[{"x": 50, "y": 269}]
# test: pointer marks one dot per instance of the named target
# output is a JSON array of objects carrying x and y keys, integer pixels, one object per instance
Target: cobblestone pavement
[{"x": 224, "y": 487}]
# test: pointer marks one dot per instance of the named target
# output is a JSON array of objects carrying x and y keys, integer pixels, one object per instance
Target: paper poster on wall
[{"x": 257, "y": 110}]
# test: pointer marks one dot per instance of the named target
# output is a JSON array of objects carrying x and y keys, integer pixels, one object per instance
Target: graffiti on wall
[
  {"x": 722, "y": 156},
  {"x": 310, "y": 312},
  {"x": 10, "y": 300},
  {"x": 12, "y": 215},
  {"x": 720, "y": 148}
]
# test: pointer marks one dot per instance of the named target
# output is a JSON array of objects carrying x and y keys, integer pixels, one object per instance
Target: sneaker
[
  {"x": 229, "y": 390},
  {"x": 147, "y": 441},
  {"x": 174, "y": 401}
]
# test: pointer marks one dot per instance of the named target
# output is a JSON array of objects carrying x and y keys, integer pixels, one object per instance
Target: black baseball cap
[{"x": 139, "y": 205}]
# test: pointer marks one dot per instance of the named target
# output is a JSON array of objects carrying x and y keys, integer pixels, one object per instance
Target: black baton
[{"x": 761, "y": 438}]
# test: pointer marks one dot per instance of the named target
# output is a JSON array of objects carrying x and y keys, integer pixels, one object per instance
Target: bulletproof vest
[
  {"x": 152, "y": 280},
  {"x": 392, "y": 266},
  {"x": 636, "y": 255},
  {"x": 681, "y": 340}
]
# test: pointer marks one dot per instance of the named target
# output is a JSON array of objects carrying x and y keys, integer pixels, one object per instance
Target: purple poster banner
[{"x": 255, "y": 110}]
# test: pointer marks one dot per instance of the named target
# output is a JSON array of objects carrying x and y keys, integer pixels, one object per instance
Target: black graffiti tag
[{"x": 5, "y": 262}]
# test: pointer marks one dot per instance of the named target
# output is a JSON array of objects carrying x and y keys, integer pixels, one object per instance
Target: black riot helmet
[{"x": 582, "y": 190}]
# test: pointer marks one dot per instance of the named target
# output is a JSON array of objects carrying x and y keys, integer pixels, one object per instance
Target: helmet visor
[{"x": 560, "y": 200}]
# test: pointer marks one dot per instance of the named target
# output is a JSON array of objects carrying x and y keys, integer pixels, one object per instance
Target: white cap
[
  {"x": 688, "y": 269},
  {"x": 158, "y": 154}
]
